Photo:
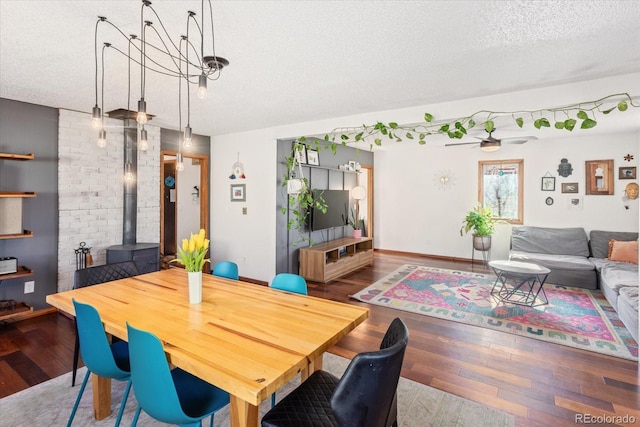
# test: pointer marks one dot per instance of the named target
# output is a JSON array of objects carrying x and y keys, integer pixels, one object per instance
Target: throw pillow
[
  {"x": 624, "y": 251},
  {"x": 610, "y": 248}
]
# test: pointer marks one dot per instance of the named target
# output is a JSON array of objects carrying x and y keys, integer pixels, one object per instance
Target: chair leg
[
  {"x": 211, "y": 422},
  {"x": 75, "y": 405},
  {"x": 134, "y": 423},
  {"x": 273, "y": 400},
  {"x": 76, "y": 352},
  {"x": 125, "y": 395}
]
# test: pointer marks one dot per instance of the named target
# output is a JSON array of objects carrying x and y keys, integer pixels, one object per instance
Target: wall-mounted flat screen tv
[{"x": 337, "y": 202}]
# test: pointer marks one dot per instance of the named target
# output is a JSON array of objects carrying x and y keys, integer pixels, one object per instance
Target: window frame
[{"x": 520, "y": 171}]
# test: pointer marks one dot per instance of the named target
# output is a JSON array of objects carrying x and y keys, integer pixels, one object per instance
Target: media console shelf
[{"x": 328, "y": 261}]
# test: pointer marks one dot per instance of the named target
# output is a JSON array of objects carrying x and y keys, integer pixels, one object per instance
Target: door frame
[{"x": 204, "y": 191}]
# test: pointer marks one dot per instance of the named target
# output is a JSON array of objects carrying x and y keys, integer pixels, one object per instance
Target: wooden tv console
[{"x": 328, "y": 261}]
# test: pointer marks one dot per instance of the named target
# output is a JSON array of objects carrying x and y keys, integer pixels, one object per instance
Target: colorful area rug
[{"x": 574, "y": 317}]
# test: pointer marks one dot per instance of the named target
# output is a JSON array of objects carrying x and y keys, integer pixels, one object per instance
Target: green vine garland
[{"x": 563, "y": 118}]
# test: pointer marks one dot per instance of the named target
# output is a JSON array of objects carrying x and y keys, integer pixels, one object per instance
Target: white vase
[{"x": 195, "y": 287}]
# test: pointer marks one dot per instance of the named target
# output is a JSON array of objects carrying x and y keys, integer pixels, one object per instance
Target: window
[{"x": 501, "y": 186}]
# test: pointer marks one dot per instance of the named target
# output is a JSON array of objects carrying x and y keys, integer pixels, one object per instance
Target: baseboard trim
[
  {"x": 429, "y": 256},
  {"x": 29, "y": 314}
]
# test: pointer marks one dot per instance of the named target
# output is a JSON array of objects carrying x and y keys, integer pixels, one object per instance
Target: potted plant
[
  {"x": 355, "y": 222},
  {"x": 481, "y": 222}
]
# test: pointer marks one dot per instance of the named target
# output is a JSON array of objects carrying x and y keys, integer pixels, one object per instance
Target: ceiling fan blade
[
  {"x": 518, "y": 139},
  {"x": 461, "y": 143}
]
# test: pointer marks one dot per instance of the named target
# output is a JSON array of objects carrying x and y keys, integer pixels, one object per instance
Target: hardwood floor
[{"x": 542, "y": 384}]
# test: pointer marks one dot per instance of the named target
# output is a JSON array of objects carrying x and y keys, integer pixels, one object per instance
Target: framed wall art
[
  {"x": 548, "y": 183},
  {"x": 312, "y": 157},
  {"x": 238, "y": 193},
  {"x": 300, "y": 151},
  {"x": 569, "y": 187},
  {"x": 627, "y": 172},
  {"x": 599, "y": 177}
]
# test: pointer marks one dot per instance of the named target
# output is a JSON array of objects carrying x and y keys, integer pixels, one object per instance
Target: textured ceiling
[{"x": 297, "y": 61}]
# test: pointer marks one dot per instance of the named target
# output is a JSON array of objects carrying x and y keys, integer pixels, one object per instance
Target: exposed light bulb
[
  {"x": 141, "y": 117},
  {"x": 96, "y": 120},
  {"x": 187, "y": 138},
  {"x": 202, "y": 86},
  {"x": 128, "y": 175},
  {"x": 102, "y": 138},
  {"x": 143, "y": 145},
  {"x": 179, "y": 163}
]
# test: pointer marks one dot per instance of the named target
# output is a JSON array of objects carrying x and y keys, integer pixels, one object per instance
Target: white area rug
[{"x": 50, "y": 403}]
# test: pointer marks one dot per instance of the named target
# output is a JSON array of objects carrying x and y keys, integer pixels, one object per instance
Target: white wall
[
  {"x": 90, "y": 191},
  {"x": 188, "y": 215},
  {"x": 429, "y": 219}
]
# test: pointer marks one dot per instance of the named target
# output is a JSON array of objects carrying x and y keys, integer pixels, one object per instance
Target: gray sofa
[
  {"x": 564, "y": 251},
  {"x": 618, "y": 281},
  {"x": 577, "y": 261}
]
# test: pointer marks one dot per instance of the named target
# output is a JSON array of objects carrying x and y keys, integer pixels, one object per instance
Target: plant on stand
[
  {"x": 481, "y": 222},
  {"x": 192, "y": 256}
]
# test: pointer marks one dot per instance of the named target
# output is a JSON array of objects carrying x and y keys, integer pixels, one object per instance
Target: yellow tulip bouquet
[{"x": 192, "y": 252}]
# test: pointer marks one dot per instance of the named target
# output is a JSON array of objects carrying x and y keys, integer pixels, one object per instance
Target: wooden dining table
[{"x": 244, "y": 338}]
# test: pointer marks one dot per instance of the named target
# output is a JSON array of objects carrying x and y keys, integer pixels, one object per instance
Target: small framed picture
[
  {"x": 300, "y": 151},
  {"x": 312, "y": 157},
  {"x": 627, "y": 172},
  {"x": 575, "y": 203},
  {"x": 238, "y": 193},
  {"x": 352, "y": 165},
  {"x": 548, "y": 183},
  {"x": 569, "y": 187}
]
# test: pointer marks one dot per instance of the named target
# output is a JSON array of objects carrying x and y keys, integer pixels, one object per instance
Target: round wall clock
[{"x": 549, "y": 201}]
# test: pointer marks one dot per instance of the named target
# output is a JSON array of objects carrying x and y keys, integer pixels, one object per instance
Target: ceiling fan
[{"x": 490, "y": 143}]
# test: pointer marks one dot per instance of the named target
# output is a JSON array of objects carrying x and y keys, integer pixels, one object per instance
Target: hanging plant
[
  {"x": 583, "y": 115},
  {"x": 300, "y": 200}
]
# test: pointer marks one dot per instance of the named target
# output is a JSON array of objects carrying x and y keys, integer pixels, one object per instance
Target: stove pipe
[{"x": 130, "y": 194}]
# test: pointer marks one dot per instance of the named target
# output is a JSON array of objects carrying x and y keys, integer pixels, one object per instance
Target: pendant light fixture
[
  {"x": 96, "y": 115},
  {"x": 202, "y": 86},
  {"x": 141, "y": 117},
  {"x": 179, "y": 163},
  {"x": 164, "y": 58}
]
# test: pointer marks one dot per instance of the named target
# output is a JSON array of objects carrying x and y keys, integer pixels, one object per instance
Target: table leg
[
  {"x": 314, "y": 365},
  {"x": 101, "y": 396},
  {"x": 242, "y": 414}
]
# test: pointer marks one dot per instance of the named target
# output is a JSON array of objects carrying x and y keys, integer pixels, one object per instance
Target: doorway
[{"x": 185, "y": 200}]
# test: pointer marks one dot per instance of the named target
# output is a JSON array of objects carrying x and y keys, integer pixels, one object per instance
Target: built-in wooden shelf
[
  {"x": 12, "y": 156},
  {"x": 22, "y": 272},
  {"x": 15, "y": 194},
  {"x": 25, "y": 234},
  {"x": 20, "y": 310}
]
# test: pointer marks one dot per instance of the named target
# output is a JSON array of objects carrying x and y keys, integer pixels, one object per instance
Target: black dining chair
[
  {"x": 94, "y": 276},
  {"x": 365, "y": 395}
]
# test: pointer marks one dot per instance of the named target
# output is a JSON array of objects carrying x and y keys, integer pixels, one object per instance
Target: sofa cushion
[
  {"x": 624, "y": 251},
  {"x": 619, "y": 276},
  {"x": 628, "y": 309},
  {"x": 553, "y": 241},
  {"x": 629, "y": 296},
  {"x": 551, "y": 261},
  {"x": 599, "y": 241}
]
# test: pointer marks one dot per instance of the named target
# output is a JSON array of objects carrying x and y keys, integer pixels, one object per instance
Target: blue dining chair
[
  {"x": 290, "y": 283},
  {"x": 100, "y": 357},
  {"x": 170, "y": 396},
  {"x": 226, "y": 269}
]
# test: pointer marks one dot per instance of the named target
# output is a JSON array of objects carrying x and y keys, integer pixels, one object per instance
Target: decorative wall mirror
[{"x": 599, "y": 177}]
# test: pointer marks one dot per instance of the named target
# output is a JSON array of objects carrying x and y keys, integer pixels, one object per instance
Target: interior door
[
  {"x": 190, "y": 210},
  {"x": 169, "y": 200}
]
